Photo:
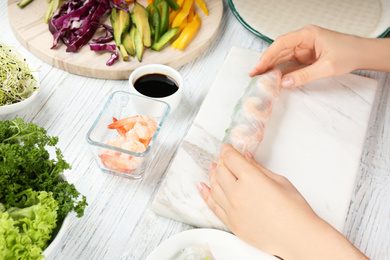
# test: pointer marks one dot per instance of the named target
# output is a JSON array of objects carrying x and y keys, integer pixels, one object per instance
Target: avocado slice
[
  {"x": 139, "y": 46},
  {"x": 128, "y": 42},
  {"x": 120, "y": 22},
  {"x": 140, "y": 17}
]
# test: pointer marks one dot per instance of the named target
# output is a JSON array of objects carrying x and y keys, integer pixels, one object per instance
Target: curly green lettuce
[
  {"x": 26, "y": 227},
  {"x": 25, "y": 163}
]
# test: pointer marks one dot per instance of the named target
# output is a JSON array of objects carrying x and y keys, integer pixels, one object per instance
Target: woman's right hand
[{"x": 323, "y": 53}]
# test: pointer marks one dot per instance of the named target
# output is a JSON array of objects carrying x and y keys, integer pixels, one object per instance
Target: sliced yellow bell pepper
[
  {"x": 191, "y": 14},
  {"x": 202, "y": 6},
  {"x": 183, "y": 25},
  {"x": 172, "y": 15},
  {"x": 187, "y": 33},
  {"x": 183, "y": 13},
  {"x": 180, "y": 3}
]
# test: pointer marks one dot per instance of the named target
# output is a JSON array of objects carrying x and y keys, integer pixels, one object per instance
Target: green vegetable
[
  {"x": 16, "y": 80},
  {"x": 53, "y": 6},
  {"x": 120, "y": 21},
  {"x": 140, "y": 17},
  {"x": 172, "y": 4},
  {"x": 23, "y": 3},
  {"x": 128, "y": 44},
  {"x": 165, "y": 39},
  {"x": 164, "y": 17},
  {"x": 25, "y": 163},
  {"x": 156, "y": 23},
  {"x": 139, "y": 46},
  {"x": 27, "y": 227}
]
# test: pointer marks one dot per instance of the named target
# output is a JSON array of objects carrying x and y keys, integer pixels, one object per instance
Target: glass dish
[{"x": 122, "y": 105}]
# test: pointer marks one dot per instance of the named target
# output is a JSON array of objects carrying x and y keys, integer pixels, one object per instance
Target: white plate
[
  {"x": 223, "y": 245},
  {"x": 269, "y": 19}
]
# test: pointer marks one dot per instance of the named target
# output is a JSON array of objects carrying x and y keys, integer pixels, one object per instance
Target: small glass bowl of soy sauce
[{"x": 159, "y": 82}]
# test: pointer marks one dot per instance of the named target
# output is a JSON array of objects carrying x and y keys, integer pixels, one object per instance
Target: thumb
[{"x": 305, "y": 75}]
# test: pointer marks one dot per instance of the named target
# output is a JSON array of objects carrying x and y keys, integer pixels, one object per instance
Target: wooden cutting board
[
  {"x": 30, "y": 29},
  {"x": 314, "y": 137}
]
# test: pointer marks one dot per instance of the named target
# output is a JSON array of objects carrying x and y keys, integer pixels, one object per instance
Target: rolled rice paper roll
[{"x": 253, "y": 109}]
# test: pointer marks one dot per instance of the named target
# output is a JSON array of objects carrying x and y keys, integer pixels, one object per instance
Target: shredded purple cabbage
[
  {"x": 109, "y": 36},
  {"x": 113, "y": 58},
  {"x": 75, "y": 22},
  {"x": 102, "y": 47}
]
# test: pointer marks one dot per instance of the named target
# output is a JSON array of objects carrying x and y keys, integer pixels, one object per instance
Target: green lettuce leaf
[{"x": 26, "y": 228}]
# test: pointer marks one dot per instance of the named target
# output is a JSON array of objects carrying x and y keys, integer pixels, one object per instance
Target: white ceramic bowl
[
  {"x": 8, "y": 109},
  {"x": 174, "y": 99},
  {"x": 59, "y": 232}
]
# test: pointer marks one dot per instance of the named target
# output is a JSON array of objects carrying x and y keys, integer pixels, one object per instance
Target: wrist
[
  {"x": 374, "y": 54},
  {"x": 316, "y": 239}
]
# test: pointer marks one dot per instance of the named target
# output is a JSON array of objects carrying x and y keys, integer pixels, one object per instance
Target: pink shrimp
[
  {"x": 136, "y": 133},
  {"x": 246, "y": 138},
  {"x": 123, "y": 162}
]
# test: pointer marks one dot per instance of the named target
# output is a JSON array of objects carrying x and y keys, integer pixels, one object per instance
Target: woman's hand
[
  {"x": 266, "y": 210},
  {"x": 323, "y": 53}
]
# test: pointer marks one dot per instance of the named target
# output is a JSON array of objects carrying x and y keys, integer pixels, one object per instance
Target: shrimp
[
  {"x": 135, "y": 135},
  {"x": 121, "y": 164},
  {"x": 257, "y": 109},
  {"x": 254, "y": 108},
  {"x": 246, "y": 138},
  {"x": 129, "y": 123}
]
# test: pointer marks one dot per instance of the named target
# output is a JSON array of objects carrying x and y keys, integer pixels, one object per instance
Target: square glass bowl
[{"x": 122, "y": 105}]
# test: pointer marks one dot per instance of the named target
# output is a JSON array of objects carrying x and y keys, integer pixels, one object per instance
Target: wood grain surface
[{"x": 30, "y": 29}]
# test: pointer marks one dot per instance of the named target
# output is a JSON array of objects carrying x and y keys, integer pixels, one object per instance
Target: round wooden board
[{"x": 30, "y": 29}]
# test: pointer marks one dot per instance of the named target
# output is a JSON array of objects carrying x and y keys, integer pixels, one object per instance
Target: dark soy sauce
[{"x": 156, "y": 85}]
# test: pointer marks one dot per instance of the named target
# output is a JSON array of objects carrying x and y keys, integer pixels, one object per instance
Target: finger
[
  {"x": 251, "y": 159},
  {"x": 305, "y": 75},
  {"x": 225, "y": 178},
  {"x": 212, "y": 166},
  {"x": 235, "y": 162},
  {"x": 282, "y": 49},
  {"x": 217, "y": 191},
  {"x": 267, "y": 62},
  {"x": 204, "y": 191},
  {"x": 268, "y": 173}
]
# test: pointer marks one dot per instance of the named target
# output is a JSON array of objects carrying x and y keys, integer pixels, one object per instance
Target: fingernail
[
  {"x": 249, "y": 156},
  {"x": 199, "y": 186},
  {"x": 287, "y": 82},
  {"x": 211, "y": 167}
]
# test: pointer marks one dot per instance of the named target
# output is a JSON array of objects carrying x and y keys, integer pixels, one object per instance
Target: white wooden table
[{"x": 119, "y": 222}]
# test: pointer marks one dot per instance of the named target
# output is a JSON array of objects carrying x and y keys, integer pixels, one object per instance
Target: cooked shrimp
[
  {"x": 135, "y": 135},
  {"x": 270, "y": 83},
  {"x": 134, "y": 146},
  {"x": 129, "y": 122},
  {"x": 121, "y": 161},
  {"x": 246, "y": 138},
  {"x": 126, "y": 164},
  {"x": 252, "y": 111},
  {"x": 257, "y": 109}
]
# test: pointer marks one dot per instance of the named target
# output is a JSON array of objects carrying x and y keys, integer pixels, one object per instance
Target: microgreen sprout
[{"x": 17, "y": 82}]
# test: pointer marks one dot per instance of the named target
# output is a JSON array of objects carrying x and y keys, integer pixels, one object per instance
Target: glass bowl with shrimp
[{"x": 124, "y": 136}]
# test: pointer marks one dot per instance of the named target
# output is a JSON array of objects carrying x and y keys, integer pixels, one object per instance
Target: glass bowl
[{"x": 124, "y": 160}]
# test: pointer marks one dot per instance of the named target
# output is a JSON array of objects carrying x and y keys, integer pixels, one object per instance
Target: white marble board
[{"x": 314, "y": 137}]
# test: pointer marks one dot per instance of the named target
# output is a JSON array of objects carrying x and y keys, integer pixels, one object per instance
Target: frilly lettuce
[{"x": 26, "y": 228}]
